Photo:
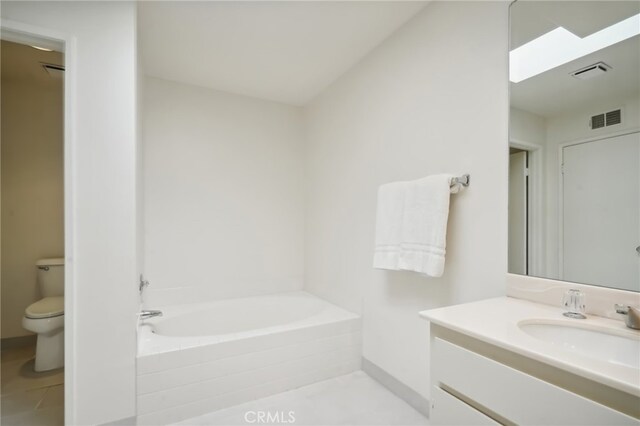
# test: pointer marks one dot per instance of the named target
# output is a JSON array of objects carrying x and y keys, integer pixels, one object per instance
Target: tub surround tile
[
  {"x": 282, "y": 338},
  {"x": 208, "y": 370},
  {"x": 161, "y": 400},
  {"x": 322, "y": 314},
  {"x": 234, "y": 368},
  {"x": 244, "y": 379},
  {"x": 172, "y": 359},
  {"x": 234, "y": 398},
  {"x": 272, "y": 373},
  {"x": 227, "y": 346},
  {"x": 170, "y": 378},
  {"x": 160, "y": 297},
  {"x": 190, "y": 294}
]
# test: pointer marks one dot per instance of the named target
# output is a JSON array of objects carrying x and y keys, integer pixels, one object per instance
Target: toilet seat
[{"x": 48, "y": 307}]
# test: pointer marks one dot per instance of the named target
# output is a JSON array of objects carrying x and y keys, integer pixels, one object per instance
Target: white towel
[
  {"x": 389, "y": 225},
  {"x": 411, "y": 225}
]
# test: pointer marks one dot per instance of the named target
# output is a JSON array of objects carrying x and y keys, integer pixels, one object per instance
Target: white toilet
[{"x": 46, "y": 316}]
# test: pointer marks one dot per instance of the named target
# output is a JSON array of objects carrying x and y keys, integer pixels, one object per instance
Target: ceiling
[
  {"x": 532, "y": 18},
  {"x": 24, "y": 64},
  {"x": 556, "y": 92},
  {"x": 285, "y": 51}
]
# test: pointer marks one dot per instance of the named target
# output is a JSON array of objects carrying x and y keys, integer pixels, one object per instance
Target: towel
[
  {"x": 389, "y": 225},
  {"x": 411, "y": 225}
]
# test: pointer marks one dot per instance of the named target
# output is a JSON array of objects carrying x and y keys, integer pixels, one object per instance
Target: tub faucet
[
  {"x": 631, "y": 315},
  {"x": 150, "y": 314},
  {"x": 143, "y": 283}
]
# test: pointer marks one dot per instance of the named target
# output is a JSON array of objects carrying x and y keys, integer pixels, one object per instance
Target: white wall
[
  {"x": 527, "y": 127},
  {"x": 100, "y": 315},
  {"x": 139, "y": 162},
  {"x": 223, "y": 194},
  {"x": 420, "y": 104}
]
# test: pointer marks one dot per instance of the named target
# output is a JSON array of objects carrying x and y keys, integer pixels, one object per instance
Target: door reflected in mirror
[{"x": 574, "y": 141}]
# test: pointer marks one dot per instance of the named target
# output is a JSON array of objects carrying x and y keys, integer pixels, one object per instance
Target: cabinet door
[
  {"x": 514, "y": 395},
  {"x": 446, "y": 409}
]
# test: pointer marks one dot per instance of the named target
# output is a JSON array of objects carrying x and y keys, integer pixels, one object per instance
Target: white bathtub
[{"x": 202, "y": 357}]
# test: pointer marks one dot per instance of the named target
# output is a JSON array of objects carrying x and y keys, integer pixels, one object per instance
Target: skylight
[{"x": 560, "y": 46}]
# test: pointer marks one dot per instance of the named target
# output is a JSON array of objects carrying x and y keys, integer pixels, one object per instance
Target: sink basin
[{"x": 610, "y": 345}]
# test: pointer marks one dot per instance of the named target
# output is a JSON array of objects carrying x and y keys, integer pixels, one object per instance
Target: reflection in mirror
[{"x": 574, "y": 169}]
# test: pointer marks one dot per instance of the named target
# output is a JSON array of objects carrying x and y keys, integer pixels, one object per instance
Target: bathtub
[{"x": 202, "y": 357}]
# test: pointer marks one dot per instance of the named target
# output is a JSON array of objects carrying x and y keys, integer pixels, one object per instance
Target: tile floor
[
  {"x": 29, "y": 398},
  {"x": 354, "y": 399},
  {"x": 34, "y": 399}
]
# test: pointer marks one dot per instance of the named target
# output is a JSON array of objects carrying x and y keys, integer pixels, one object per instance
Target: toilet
[{"x": 46, "y": 316}]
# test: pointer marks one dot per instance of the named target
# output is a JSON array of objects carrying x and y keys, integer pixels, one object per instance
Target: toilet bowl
[{"x": 46, "y": 316}]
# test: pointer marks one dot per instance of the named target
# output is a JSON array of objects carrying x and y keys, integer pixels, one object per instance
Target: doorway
[
  {"x": 518, "y": 211},
  {"x": 526, "y": 208},
  {"x": 33, "y": 214}
]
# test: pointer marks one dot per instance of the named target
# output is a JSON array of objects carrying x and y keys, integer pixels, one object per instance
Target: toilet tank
[{"x": 51, "y": 276}]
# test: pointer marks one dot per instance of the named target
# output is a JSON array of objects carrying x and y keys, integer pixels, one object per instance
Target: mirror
[{"x": 574, "y": 141}]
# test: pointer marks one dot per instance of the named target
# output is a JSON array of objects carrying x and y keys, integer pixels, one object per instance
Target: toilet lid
[{"x": 46, "y": 308}]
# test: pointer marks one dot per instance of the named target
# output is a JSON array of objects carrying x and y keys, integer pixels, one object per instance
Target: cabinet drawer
[
  {"x": 514, "y": 395},
  {"x": 446, "y": 409}
]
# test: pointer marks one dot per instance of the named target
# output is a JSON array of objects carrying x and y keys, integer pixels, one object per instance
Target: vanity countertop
[{"x": 496, "y": 321}]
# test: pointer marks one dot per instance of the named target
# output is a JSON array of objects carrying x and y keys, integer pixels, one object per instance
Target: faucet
[
  {"x": 150, "y": 314},
  {"x": 632, "y": 315},
  {"x": 573, "y": 300},
  {"x": 143, "y": 283}
]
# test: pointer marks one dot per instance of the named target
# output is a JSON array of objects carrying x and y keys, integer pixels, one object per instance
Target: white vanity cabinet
[
  {"x": 472, "y": 388},
  {"x": 487, "y": 369}
]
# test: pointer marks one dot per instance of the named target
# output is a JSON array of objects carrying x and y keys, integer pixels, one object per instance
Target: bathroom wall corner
[{"x": 402, "y": 391}]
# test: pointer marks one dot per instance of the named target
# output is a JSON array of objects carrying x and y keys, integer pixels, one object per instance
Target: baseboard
[
  {"x": 127, "y": 421},
  {"x": 401, "y": 390},
  {"x": 18, "y": 342}
]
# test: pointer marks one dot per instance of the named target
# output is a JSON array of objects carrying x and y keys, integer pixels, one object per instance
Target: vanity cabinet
[{"x": 474, "y": 383}]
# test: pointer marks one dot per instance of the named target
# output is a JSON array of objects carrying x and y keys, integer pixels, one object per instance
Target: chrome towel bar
[{"x": 462, "y": 180}]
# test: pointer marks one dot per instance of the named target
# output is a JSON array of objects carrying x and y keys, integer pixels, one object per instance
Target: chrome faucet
[
  {"x": 143, "y": 283},
  {"x": 574, "y": 301},
  {"x": 150, "y": 314},
  {"x": 631, "y": 315}
]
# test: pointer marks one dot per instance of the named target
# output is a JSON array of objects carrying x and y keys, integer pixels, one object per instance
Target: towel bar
[{"x": 462, "y": 180}]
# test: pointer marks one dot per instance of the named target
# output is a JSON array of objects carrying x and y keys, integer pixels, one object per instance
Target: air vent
[
  {"x": 606, "y": 119},
  {"x": 53, "y": 70},
  {"x": 614, "y": 117},
  {"x": 597, "y": 121},
  {"x": 591, "y": 71}
]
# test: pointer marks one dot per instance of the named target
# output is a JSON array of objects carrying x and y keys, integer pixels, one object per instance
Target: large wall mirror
[{"x": 574, "y": 173}]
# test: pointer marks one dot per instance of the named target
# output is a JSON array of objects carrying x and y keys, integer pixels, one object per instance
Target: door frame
[
  {"x": 535, "y": 209},
  {"x": 30, "y": 34},
  {"x": 561, "y": 147}
]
